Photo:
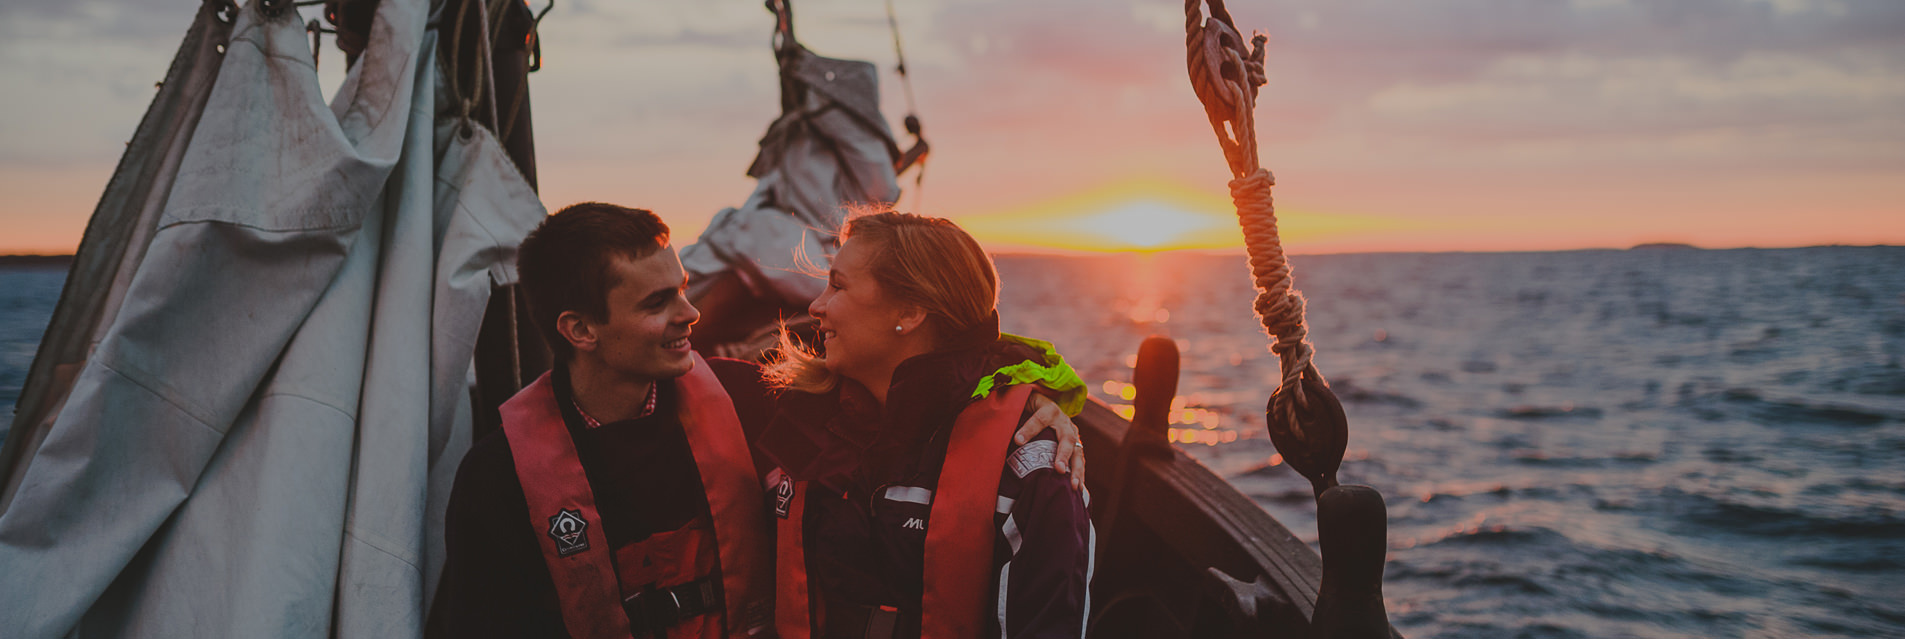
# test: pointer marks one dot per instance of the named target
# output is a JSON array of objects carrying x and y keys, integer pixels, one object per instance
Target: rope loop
[
  {"x": 480, "y": 97},
  {"x": 1225, "y": 74}
]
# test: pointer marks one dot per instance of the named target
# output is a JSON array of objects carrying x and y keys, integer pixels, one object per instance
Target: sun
[
  {"x": 1148, "y": 216},
  {"x": 1129, "y": 215},
  {"x": 1147, "y": 224}
]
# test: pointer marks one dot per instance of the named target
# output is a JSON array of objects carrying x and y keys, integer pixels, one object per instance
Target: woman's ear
[
  {"x": 577, "y": 328},
  {"x": 910, "y": 320}
]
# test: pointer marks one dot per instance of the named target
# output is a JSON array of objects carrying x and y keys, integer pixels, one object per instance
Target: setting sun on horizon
[{"x": 1148, "y": 216}]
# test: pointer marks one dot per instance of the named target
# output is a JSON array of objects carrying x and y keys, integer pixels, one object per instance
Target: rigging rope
[
  {"x": 465, "y": 104},
  {"x": 482, "y": 94},
  {"x": 1225, "y": 75},
  {"x": 893, "y": 24},
  {"x": 912, "y": 110}
]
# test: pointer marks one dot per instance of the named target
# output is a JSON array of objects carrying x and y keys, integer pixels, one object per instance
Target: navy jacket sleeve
[
  {"x": 494, "y": 583},
  {"x": 1048, "y": 533}
]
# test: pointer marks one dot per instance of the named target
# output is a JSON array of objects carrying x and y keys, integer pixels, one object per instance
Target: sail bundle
[{"x": 227, "y": 432}]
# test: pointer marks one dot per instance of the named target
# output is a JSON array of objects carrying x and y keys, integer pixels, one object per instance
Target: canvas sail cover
[
  {"x": 830, "y": 148},
  {"x": 269, "y": 331}
]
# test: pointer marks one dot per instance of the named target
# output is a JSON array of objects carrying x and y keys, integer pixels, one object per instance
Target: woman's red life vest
[
  {"x": 591, "y": 579},
  {"x": 960, "y": 528}
]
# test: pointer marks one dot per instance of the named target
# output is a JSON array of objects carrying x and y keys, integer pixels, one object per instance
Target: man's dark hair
[{"x": 564, "y": 265}]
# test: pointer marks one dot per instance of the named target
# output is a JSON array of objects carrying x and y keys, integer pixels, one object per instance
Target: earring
[{"x": 897, "y": 329}]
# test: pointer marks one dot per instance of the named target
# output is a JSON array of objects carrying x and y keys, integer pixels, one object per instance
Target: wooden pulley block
[{"x": 1310, "y": 434}]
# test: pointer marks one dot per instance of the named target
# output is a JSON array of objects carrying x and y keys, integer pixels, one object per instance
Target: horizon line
[{"x": 1025, "y": 251}]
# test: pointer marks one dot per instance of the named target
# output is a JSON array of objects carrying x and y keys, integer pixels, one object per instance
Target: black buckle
[
  {"x": 854, "y": 621},
  {"x": 881, "y": 622},
  {"x": 655, "y": 609}
]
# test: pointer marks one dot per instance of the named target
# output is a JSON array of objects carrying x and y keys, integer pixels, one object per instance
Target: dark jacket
[{"x": 868, "y": 507}]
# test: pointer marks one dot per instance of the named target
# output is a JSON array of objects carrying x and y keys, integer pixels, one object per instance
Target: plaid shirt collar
[{"x": 648, "y": 407}]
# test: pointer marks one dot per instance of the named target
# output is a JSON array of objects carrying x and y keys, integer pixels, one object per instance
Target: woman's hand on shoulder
[{"x": 1070, "y": 456}]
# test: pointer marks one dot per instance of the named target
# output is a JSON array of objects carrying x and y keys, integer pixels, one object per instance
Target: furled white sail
[
  {"x": 262, "y": 439},
  {"x": 829, "y": 149}
]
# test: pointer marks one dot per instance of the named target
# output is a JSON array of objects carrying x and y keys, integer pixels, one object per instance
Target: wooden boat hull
[{"x": 1181, "y": 553}]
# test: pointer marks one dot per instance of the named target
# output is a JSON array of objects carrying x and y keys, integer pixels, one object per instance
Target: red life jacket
[
  {"x": 960, "y": 528},
  {"x": 592, "y": 580}
]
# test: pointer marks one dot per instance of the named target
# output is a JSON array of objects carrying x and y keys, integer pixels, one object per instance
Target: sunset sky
[{"x": 1069, "y": 124}]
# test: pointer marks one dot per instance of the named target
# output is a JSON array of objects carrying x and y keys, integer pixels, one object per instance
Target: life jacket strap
[
  {"x": 853, "y": 621},
  {"x": 656, "y": 609},
  {"x": 562, "y": 510},
  {"x": 792, "y": 604},
  {"x": 719, "y": 445},
  {"x": 959, "y": 539}
]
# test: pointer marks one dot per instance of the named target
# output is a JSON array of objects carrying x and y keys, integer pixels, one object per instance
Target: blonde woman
[{"x": 904, "y": 508}]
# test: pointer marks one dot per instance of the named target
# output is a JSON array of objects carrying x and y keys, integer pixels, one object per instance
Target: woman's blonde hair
[{"x": 925, "y": 262}]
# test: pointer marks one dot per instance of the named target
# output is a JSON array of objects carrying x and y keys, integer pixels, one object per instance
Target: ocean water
[
  {"x": 1642, "y": 443},
  {"x": 27, "y": 297}
]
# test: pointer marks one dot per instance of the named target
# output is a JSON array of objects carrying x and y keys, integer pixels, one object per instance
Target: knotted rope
[
  {"x": 1226, "y": 76},
  {"x": 1306, "y": 420}
]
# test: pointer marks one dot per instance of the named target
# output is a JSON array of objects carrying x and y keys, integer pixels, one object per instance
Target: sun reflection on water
[{"x": 1194, "y": 418}]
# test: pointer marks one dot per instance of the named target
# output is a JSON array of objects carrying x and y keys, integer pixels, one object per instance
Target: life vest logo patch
[
  {"x": 570, "y": 531},
  {"x": 783, "y": 492},
  {"x": 1032, "y": 456}
]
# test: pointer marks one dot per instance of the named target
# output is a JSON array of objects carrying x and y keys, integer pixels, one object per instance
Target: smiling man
[{"x": 621, "y": 497}]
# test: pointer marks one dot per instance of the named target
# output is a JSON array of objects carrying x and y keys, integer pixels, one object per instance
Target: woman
[{"x": 905, "y": 508}]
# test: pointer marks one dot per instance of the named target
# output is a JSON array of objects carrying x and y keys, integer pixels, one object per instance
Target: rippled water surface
[
  {"x": 1646, "y": 443},
  {"x": 27, "y": 297}
]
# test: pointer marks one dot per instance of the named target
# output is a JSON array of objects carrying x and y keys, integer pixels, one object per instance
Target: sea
[{"x": 1652, "y": 442}]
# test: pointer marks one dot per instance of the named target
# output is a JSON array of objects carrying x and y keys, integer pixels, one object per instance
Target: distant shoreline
[{"x": 36, "y": 260}]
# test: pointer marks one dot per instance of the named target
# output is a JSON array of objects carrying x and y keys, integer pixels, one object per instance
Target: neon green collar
[{"x": 1052, "y": 373}]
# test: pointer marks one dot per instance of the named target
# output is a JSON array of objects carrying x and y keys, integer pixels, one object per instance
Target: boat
[{"x": 193, "y": 453}]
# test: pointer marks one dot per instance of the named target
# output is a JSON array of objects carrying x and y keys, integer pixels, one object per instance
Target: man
[{"x": 620, "y": 498}]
